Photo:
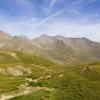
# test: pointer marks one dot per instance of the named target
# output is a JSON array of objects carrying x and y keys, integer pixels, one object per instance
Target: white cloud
[
  {"x": 53, "y": 2},
  {"x": 33, "y": 27},
  {"x": 18, "y": 27},
  {"x": 91, "y": 1},
  {"x": 25, "y": 7},
  {"x": 49, "y": 18},
  {"x": 73, "y": 29}
]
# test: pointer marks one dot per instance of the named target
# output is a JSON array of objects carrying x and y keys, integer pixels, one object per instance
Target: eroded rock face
[
  {"x": 58, "y": 48},
  {"x": 2, "y": 70},
  {"x": 16, "y": 70}
]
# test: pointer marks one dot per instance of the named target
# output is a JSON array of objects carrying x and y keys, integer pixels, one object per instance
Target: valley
[
  {"x": 49, "y": 68},
  {"x": 49, "y": 49},
  {"x": 35, "y": 78}
]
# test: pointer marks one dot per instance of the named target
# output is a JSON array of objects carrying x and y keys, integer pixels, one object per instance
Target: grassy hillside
[
  {"x": 58, "y": 49},
  {"x": 74, "y": 83},
  {"x": 11, "y": 57},
  {"x": 24, "y": 76}
]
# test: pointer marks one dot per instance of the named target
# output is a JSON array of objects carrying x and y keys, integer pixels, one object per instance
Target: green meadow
[{"x": 45, "y": 80}]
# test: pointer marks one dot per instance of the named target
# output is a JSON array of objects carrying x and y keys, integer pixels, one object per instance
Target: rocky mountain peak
[
  {"x": 59, "y": 44},
  {"x": 44, "y": 36},
  {"x": 4, "y": 35}
]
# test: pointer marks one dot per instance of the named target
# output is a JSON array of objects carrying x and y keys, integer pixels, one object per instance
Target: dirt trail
[{"x": 25, "y": 91}]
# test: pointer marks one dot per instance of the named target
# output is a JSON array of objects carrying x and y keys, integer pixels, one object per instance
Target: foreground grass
[
  {"x": 39, "y": 95},
  {"x": 69, "y": 82},
  {"x": 10, "y": 83}
]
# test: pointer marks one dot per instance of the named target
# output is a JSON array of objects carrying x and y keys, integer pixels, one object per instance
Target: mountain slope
[
  {"x": 58, "y": 49},
  {"x": 69, "y": 50},
  {"x": 4, "y": 38},
  {"x": 26, "y": 73}
]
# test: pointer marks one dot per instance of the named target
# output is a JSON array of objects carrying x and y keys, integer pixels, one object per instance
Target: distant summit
[
  {"x": 4, "y": 35},
  {"x": 58, "y": 48},
  {"x": 45, "y": 36}
]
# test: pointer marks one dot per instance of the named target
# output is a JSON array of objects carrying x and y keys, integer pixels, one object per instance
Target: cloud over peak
[{"x": 67, "y": 17}]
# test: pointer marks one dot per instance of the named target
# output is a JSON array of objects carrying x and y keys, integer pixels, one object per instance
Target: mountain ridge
[
  {"x": 57, "y": 48},
  {"x": 45, "y": 35}
]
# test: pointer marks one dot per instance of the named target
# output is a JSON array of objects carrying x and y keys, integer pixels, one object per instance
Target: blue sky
[{"x": 71, "y": 18}]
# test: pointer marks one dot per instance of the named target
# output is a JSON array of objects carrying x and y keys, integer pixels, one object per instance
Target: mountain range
[{"x": 58, "y": 48}]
